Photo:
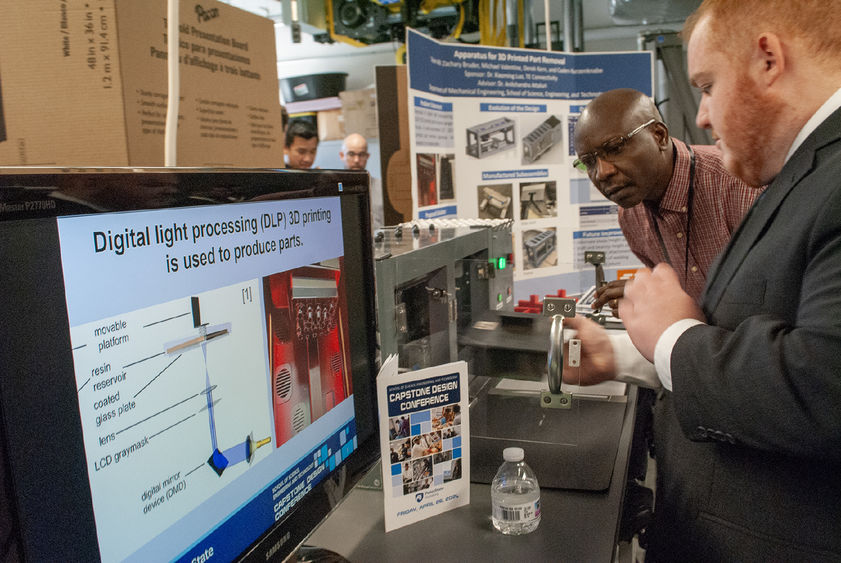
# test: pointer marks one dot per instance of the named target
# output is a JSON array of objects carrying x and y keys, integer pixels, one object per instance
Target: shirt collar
[
  {"x": 675, "y": 196},
  {"x": 829, "y": 106}
]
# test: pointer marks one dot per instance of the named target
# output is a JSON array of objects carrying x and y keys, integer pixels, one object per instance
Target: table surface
[{"x": 577, "y": 526}]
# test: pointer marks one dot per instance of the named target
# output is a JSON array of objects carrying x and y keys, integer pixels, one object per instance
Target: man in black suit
[{"x": 748, "y": 429}]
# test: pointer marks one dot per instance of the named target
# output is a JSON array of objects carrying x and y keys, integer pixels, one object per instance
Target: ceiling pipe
[
  {"x": 578, "y": 31},
  {"x": 569, "y": 24}
]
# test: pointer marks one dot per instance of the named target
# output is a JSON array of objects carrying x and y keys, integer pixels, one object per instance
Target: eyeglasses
[
  {"x": 352, "y": 154},
  {"x": 609, "y": 150}
]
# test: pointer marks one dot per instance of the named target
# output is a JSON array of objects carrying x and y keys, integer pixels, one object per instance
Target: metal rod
[
  {"x": 578, "y": 33},
  {"x": 547, "y": 15},
  {"x": 568, "y": 25}
]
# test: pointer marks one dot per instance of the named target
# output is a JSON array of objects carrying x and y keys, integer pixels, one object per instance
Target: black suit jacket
[{"x": 748, "y": 444}]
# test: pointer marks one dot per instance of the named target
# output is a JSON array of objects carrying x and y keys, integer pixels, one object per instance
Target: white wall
[{"x": 309, "y": 57}]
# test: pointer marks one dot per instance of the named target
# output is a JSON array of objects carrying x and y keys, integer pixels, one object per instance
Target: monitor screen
[{"x": 186, "y": 356}]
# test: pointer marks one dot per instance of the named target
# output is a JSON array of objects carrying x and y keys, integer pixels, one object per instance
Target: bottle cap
[{"x": 513, "y": 454}]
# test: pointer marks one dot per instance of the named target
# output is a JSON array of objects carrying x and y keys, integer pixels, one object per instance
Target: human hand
[
  {"x": 654, "y": 301},
  {"x": 610, "y": 294},
  {"x": 597, "y": 360}
]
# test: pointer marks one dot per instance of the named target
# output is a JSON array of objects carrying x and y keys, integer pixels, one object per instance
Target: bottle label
[{"x": 518, "y": 513}]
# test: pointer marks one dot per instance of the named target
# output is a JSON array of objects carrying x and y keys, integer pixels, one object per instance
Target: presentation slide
[{"x": 211, "y": 365}]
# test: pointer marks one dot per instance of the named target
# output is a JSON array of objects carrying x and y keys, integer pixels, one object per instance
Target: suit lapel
[{"x": 764, "y": 210}]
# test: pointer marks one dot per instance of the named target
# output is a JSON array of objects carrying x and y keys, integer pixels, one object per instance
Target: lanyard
[{"x": 690, "y": 197}]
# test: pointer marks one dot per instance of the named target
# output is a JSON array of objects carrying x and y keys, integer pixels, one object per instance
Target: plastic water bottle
[{"x": 515, "y": 495}]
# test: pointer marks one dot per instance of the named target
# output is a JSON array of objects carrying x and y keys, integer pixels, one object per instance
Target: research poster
[{"x": 491, "y": 132}]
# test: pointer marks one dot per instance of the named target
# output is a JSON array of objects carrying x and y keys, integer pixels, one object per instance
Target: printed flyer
[
  {"x": 491, "y": 131},
  {"x": 424, "y": 440}
]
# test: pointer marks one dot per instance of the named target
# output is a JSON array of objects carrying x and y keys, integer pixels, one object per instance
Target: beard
[{"x": 749, "y": 133}]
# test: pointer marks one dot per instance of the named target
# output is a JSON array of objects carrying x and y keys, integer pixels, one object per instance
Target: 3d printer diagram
[
  {"x": 207, "y": 334},
  {"x": 491, "y": 137},
  {"x": 175, "y": 405},
  {"x": 308, "y": 351}
]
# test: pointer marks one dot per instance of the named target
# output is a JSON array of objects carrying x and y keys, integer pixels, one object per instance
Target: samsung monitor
[{"x": 185, "y": 357}]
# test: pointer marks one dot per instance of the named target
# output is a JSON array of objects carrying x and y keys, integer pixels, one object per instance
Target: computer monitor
[{"x": 186, "y": 356}]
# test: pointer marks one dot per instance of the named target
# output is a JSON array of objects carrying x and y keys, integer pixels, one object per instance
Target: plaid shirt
[{"x": 719, "y": 203}]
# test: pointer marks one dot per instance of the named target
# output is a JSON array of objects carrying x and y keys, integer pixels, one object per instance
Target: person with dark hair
[{"x": 300, "y": 144}]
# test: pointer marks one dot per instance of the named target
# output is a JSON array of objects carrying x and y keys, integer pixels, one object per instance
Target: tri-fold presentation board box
[
  {"x": 84, "y": 83},
  {"x": 359, "y": 111}
]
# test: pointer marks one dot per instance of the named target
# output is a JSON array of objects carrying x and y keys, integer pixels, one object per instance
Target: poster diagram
[
  {"x": 507, "y": 116},
  {"x": 174, "y": 403},
  {"x": 495, "y": 201},
  {"x": 490, "y": 137}
]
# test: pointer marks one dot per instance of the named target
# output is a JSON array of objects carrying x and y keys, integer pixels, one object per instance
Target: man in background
[
  {"x": 300, "y": 144},
  {"x": 354, "y": 154}
]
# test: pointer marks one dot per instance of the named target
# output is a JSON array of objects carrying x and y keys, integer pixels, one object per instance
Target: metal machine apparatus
[
  {"x": 444, "y": 294},
  {"x": 570, "y": 435},
  {"x": 436, "y": 277},
  {"x": 517, "y": 399},
  {"x": 365, "y": 22}
]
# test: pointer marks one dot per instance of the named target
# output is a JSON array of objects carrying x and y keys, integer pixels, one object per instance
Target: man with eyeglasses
[
  {"x": 749, "y": 450},
  {"x": 677, "y": 204},
  {"x": 354, "y": 154}
]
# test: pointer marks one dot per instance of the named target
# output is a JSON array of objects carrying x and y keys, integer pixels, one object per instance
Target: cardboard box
[
  {"x": 330, "y": 125},
  {"x": 359, "y": 108},
  {"x": 84, "y": 83},
  {"x": 395, "y": 143}
]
